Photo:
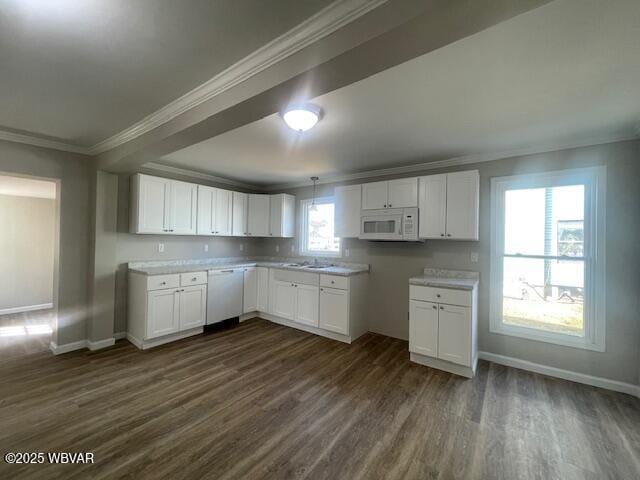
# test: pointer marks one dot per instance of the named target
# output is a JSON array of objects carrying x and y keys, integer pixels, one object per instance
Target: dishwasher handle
[{"x": 220, "y": 272}]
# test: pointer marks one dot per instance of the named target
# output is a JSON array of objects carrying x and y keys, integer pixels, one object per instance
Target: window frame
[
  {"x": 594, "y": 181},
  {"x": 304, "y": 230}
]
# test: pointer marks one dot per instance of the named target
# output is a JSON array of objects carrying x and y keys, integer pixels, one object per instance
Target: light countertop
[{"x": 439, "y": 278}]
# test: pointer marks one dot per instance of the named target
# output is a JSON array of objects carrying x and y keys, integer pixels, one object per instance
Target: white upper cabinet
[
  {"x": 258, "y": 215},
  {"x": 400, "y": 193},
  {"x": 403, "y": 193},
  {"x": 347, "y": 211},
  {"x": 183, "y": 204},
  {"x": 163, "y": 206},
  {"x": 214, "y": 211},
  {"x": 449, "y": 205},
  {"x": 463, "y": 192},
  {"x": 374, "y": 195},
  {"x": 282, "y": 215},
  {"x": 239, "y": 215}
]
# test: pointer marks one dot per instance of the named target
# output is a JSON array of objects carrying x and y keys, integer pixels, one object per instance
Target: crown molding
[
  {"x": 451, "y": 162},
  {"x": 42, "y": 142},
  {"x": 323, "y": 23},
  {"x": 196, "y": 175}
]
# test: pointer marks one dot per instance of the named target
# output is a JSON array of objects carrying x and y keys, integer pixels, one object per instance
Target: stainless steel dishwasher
[{"x": 224, "y": 294}]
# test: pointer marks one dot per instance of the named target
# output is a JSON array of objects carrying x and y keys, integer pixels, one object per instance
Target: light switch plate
[
  {"x": 206, "y": 247},
  {"x": 160, "y": 247},
  {"x": 277, "y": 248},
  {"x": 474, "y": 257},
  {"x": 241, "y": 247}
]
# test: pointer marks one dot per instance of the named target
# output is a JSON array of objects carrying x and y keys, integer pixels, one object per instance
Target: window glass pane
[
  {"x": 545, "y": 221},
  {"x": 320, "y": 229},
  {"x": 544, "y": 294}
]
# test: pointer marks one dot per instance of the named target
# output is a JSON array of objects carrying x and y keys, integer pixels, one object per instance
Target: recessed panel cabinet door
[
  {"x": 454, "y": 334},
  {"x": 153, "y": 205},
  {"x": 183, "y": 207},
  {"x": 239, "y": 216},
  {"x": 284, "y": 299},
  {"x": 403, "y": 193},
  {"x": 347, "y": 211},
  {"x": 258, "y": 215},
  {"x": 374, "y": 195},
  {"x": 334, "y": 310},
  {"x": 307, "y": 304},
  {"x": 423, "y": 328},
  {"x": 433, "y": 206},
  {"x": 193, "y": 306},
  {"x": 222, "y": 212},
  {"x": 462, "y": 205},
  {"x": 250, "y": 290},
  {"x": 206, "y": 206},
  {"x": 262, "y": 304},
  {"x": 163, "y": 315}
]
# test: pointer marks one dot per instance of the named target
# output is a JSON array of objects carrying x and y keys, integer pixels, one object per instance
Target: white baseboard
[
  {"x": 27, "y": 308},
  {"x": 108, "y": 342},
  {"x": 67, "y": 347},
  {"x": 560, "y": 373},
  {"x": 120, "y": 335}
]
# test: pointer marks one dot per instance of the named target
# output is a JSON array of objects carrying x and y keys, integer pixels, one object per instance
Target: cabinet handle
[
  {"x": 390, "y": 205},
  {"x": 194, "y": 279},
  {"x": 434, "y": 307},
  {"x": 441, "y": 308},
  {"x": 322, "y": 289},
  {"x": 438, "y": 295},
  {"x": 448, "y": 234},
  {"x": 385, "y": 205},
  {"x": 163, "y": 283}
]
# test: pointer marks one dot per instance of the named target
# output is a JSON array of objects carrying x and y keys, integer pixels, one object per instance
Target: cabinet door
[
  {"x": 334, "y": 310},
  {"x": 262, "y": 304},
  {"x": 258, "y": 215},
  {"x": 423, "y": 328},
  {"x": 454, "y": 334},
  {"x": 206, "y": 209},
  {"x": 162, "y": 312},
  {"x": 153, "y": 204},
  {"x": 284, "y": 299},
  {"x": 222, "y": 212},
  {"x": 183, "y": 203},
  {"x": 193, "y": 306},
  {"x": 374, "y": 195},
  {"x": 276, "y": 215},
  {"x": 433, "y": 206},
  {"x": 239, "y": 216},
  {"x": 307, "y": 304},
  {"x": 250, "y": 290},
  {"x": 463, "y": 190},
  {"x": 403, "y": 193},
  {"x": 347, "y": 211}
]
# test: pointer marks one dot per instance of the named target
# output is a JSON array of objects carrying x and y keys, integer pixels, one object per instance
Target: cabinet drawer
[
  {"x": 157, "y": 282},
  {"x": 193, "y": 278},
  {"x": 334, "y": 281},
  {"x": 448, "y": 296}
]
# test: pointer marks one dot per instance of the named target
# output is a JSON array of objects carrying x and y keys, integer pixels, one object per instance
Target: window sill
[
  {"x": 321, "y": 255},
  {"x": 565, "y": 340}
]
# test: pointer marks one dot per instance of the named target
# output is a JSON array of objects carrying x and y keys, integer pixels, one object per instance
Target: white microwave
[{"x": 391, "y": 224}]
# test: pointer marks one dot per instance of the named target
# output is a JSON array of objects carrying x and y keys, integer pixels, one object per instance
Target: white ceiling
[
  {"x": 565, "y": 74},
  {"x": 82, "y": 70},
  {"x": 26, "y": 187}
]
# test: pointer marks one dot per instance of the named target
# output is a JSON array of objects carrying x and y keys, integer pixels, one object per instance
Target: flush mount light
[{"x": 301, "y": 117}]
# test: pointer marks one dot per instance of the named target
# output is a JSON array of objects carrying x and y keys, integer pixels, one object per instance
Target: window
[
  {"x": 547, "y": 264},
  {"x": 317, "y": 227}
]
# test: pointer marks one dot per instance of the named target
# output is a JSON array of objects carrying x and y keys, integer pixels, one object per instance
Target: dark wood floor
[
  {"x": 265, "y": 401},
  {"x": 25, "y": 333}
]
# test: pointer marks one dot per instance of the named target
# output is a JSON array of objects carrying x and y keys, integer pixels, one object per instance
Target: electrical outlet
[
  {"x": 241, "y": 247},
  {"x": 160, "y": 247},
  {"x": 346, "y": 252},
  {"x": 206, "y": 247},
  {"x": 277, "y": 248},
  {"x": 474, "y": 257},
  {"x": 293, "y": 249}
]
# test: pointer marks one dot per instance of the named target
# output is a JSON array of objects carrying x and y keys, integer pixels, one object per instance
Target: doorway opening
[{"x": 29, "y": 244}]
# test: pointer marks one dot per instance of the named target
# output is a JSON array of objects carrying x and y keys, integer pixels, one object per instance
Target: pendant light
[{"x": 313, "y": 201}]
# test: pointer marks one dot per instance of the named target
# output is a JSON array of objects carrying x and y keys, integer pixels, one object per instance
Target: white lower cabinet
[
  {"x": 441, "y": 335},
  {"x": 284, "y": 299},
  {"x": 163, "y": 308},
  {"x": 262, "y": 301},
  {"x": 334, "y": 310},
  {"x": 307, "y": 304},
  {"x": 250, "y": 294}
]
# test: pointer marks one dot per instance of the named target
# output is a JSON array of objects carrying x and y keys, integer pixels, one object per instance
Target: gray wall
[
  {"x": 73, "y": 172},
  {"x": 393, "y": 264},
  {"x": 27, "y": 242},
  {"x": 130, "y": 247}
]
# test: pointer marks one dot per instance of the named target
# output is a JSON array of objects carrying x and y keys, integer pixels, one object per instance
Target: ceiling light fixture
[{"x": 301, "y": 117}]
